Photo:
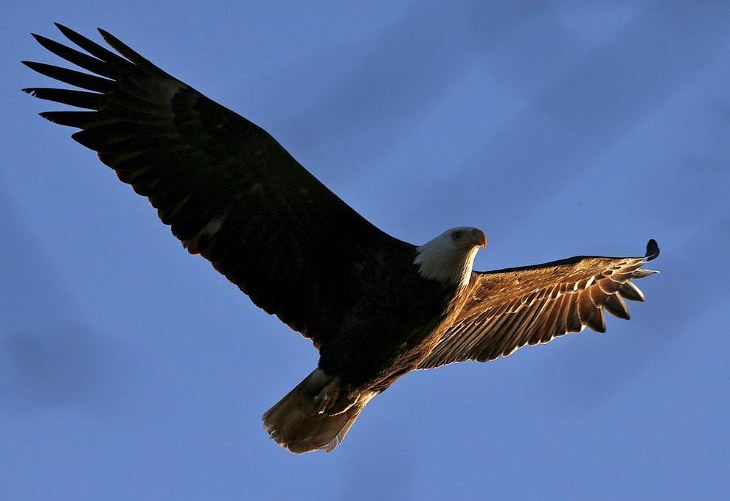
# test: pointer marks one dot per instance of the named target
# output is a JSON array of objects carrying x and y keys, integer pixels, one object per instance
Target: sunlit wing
[{"x": 515, "y": 307}]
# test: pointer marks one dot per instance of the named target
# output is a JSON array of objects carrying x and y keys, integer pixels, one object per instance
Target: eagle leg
[{"x": 328, "y": 395}]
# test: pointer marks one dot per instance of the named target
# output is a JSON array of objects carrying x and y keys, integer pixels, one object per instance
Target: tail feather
[{"x": 295, "y": 422}]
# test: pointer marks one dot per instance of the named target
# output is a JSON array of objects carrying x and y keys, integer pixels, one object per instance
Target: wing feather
[
  {"x": 572, "y": 320},
  {"x": 227, "y": 189},
  {"x": 510, "y": 308}
]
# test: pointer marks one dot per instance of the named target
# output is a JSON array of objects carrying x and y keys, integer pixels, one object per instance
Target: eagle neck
[{"x": 446, "y": 264}]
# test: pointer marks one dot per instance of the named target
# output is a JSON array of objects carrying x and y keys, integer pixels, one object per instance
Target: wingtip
[
  {"x": 108, "y": 37},
  {"x": 652, "y": 250},
  {"x": 47, "y": 115},
  {"x": 33, "y": 65},
  {"x": 66, "y": 31},
  {"x": 104, "y": 34},
  {"x": 44, "y": 41}
]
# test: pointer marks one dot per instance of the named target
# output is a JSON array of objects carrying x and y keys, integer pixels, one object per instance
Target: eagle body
[
  {"x": 373, "y": 343},
  {"x": 375, "y": 307}
]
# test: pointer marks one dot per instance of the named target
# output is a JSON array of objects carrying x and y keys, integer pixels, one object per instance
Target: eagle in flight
[{"x": 374, "y": 306}]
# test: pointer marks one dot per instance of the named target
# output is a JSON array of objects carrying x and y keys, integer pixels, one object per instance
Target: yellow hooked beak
[{"x": 479, "y": 237}]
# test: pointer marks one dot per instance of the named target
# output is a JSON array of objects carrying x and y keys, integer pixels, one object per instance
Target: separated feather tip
[{"x": 652, "y": 250}]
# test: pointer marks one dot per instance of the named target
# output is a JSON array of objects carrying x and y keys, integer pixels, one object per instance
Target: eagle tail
[{"x": 296, "y": 423}]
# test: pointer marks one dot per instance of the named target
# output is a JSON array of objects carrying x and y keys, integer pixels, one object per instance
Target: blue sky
[{"x": 129, "y": 369}]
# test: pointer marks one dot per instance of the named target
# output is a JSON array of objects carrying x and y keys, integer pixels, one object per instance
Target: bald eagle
[{"x": 374, "y": 306}]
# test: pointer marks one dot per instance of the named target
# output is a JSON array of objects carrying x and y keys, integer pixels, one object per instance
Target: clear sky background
[{"x": 132, "y": 370}]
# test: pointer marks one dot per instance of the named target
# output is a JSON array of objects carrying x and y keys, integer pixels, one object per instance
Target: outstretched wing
[
  {"x": 510, "y": 308},
  {"x": 228, "y": 190}
]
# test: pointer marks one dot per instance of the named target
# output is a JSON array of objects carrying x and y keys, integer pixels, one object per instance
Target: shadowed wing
[
  {"x": 228, "y": 190},
  {"x": 510, "y": 308}
]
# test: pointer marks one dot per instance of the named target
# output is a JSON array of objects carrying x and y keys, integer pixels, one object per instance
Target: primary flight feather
[{"x": 374, "y": 306}]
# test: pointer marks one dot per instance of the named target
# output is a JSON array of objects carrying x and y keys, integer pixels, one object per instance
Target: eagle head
[{"x": 449, "y": 257}]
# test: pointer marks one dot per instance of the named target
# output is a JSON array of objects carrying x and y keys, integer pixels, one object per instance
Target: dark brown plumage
[{"x": 376, "y": 307}]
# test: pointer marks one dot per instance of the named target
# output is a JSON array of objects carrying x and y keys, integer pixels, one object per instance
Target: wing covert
[{"x": 227, "y": 189}]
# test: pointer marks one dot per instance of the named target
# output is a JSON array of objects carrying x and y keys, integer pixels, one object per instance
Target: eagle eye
[{"x": 456, "y": 235}]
